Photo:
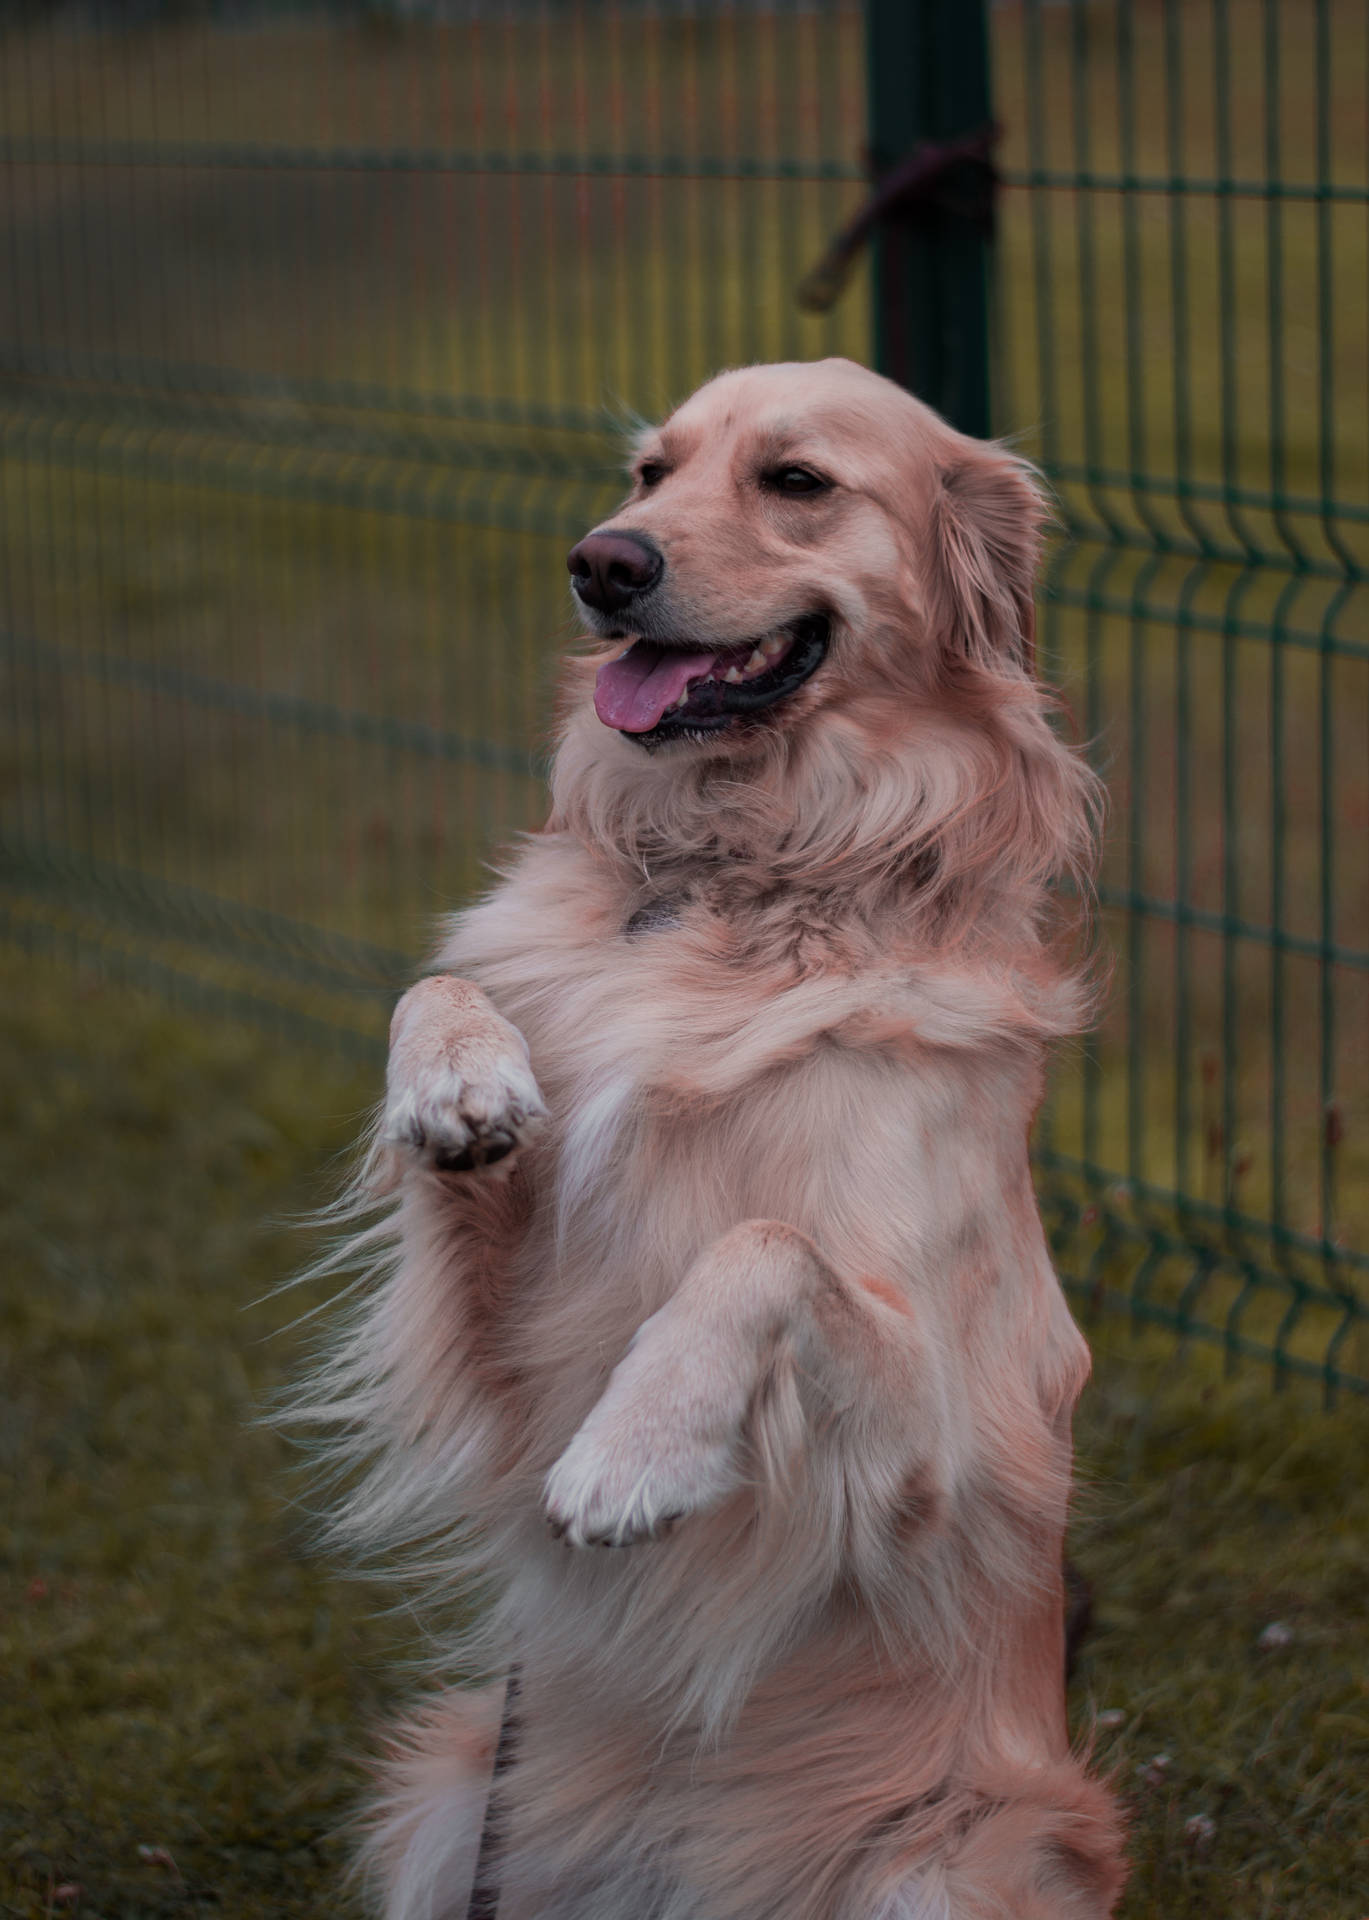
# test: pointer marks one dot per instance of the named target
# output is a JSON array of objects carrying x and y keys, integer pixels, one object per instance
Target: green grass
[
  {"x": 1208, "y": 1514},
  {"x": 183, "y": 1676},
  {"x": 180, "y": 1673}
]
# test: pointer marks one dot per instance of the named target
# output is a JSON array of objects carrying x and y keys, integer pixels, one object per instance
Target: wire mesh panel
[
  {"x": 1183, "y": 341},
  {"x": 319, "y": 332}
]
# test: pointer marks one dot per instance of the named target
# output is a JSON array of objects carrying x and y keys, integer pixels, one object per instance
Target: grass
[
  {"x": 181, "y": 1675},
  {"x": 1211, "y": 1519},
  {"x": 193, "y": 1689}
]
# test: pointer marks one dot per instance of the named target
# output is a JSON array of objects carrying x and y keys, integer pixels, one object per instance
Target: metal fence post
[{"x": 928, "y": 67}]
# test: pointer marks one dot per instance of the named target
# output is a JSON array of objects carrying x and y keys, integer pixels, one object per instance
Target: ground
[{"x": 195, "y": 1687}]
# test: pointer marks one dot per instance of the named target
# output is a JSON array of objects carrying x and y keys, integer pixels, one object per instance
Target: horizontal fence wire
[
  {"x": 322, "y": 335},
  {"x": 654, "y": 166}
]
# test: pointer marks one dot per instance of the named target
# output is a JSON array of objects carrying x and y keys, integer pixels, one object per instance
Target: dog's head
[
  {"x": 800, "y": 537},
  {"x": 819, "y": 602}
]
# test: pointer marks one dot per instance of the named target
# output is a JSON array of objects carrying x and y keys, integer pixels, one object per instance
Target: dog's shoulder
[{"x": 552, "y": 898}]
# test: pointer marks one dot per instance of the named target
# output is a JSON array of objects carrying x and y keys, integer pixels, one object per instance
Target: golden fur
[{"x": 762, "y": 1297}]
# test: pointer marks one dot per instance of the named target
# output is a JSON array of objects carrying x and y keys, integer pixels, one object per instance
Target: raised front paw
[
  {"x": 460, "y": 1090},
  {"x": 645, "y": 1459},
  {"x": 461, "y": 1121}
]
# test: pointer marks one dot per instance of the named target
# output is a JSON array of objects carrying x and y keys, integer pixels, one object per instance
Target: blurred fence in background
[{"x": 318, "y": 333}]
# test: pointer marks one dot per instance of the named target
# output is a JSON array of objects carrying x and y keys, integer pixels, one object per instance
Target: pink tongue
[{"x": 633, "y": 691}]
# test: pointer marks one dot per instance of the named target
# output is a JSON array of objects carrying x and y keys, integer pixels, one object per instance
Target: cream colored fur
[{"x": 744, "y": 1385}]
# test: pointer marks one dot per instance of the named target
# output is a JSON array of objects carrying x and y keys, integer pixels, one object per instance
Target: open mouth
[{"x": 655, "y": 692}]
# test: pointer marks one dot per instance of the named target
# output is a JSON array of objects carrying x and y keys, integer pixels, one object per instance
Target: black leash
[{"x": 485, "y": 1892}]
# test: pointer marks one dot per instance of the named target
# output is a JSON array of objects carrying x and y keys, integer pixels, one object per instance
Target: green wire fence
[{"x": 319, "y": 331}]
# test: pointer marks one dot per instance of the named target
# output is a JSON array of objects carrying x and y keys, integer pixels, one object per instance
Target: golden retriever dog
[{"x": 712, "y": 1335}]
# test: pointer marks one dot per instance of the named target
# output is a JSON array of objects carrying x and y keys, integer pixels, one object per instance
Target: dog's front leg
[
  {"x": 460, "y": 1093},
  {"x": 762, "y": 1361}
]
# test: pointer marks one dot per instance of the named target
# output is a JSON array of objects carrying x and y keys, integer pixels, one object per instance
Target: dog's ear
[{"x": 987, "y": 518}]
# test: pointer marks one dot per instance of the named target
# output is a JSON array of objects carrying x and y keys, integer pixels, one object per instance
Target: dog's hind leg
[
  {"x": 423, "y": 1835},
  {"x": 765, "y": 1359}
]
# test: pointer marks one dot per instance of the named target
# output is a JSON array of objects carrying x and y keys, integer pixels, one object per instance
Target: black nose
[{"x": 609, "y": 569}]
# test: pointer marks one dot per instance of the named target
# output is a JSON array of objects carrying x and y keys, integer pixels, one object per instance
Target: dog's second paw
[
  {"x": 460, "y": 1120},
  {"x": 632, "y": 1473}
]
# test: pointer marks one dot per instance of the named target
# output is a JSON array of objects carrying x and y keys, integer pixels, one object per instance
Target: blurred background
[{"x": 320, "y": 329}]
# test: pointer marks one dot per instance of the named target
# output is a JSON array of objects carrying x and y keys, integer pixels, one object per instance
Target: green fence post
[{"x": 928, "y": 64}]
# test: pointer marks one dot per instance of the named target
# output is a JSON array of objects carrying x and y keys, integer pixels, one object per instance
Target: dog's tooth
[
  {"x": 772, "y": 646},
  {"x": 683, "y": 698},
  {"x": 755, "y": 663},
  {"x": 732, "y": 676}
]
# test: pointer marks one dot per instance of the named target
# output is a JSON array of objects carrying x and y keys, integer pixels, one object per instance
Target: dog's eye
[
  {"x": 650, "y": 472},
  {"x": 796, "y": 480}
]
